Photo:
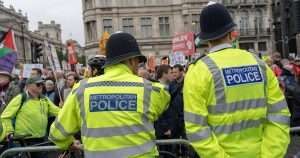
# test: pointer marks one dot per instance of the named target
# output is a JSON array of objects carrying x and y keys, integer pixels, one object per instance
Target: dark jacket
[
  {"x": 172, "y": 118},
  {"x": 295, "y": 105},
  {"x": 176, "y": 104},
  {"x": 53, "y": 96}
]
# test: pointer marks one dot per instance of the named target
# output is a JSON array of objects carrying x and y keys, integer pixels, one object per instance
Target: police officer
[
  {"x": 233, "y": 104},
  {"x": 95, "y": 65},
  {"x": 115, "y": 111}
]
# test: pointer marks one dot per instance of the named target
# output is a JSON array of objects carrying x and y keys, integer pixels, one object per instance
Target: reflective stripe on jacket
[
  {"x": 234, "y": 107},
  {"x": 115, "y": 113}
]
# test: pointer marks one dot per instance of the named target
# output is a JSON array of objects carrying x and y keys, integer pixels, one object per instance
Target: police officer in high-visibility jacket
[
  {"x": 233, "y": 104},
  {"x": 115, "y": 111}
]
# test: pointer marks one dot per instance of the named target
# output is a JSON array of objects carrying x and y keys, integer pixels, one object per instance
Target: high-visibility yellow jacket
[
  {"x": 233, "y": 107},
  {"x": 31, "y": 119},
  {"x": 115, "y": 113}
]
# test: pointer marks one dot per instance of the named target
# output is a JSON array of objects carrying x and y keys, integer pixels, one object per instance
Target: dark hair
[
  {"x": 161, "y": 70},
  {"x": 179, "y": 67},
  {"x": 76, "y": 78},
  {"x": 39, "y": 71}
]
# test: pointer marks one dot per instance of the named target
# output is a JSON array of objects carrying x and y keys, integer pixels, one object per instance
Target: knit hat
[{"x": 8, "y": 60}]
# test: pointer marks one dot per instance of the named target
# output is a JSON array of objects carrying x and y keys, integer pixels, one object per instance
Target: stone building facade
[
  {"x": 24, "y": 38},
  {"x": 254, "y": 21},
  {"x": 155, "y": 22}
]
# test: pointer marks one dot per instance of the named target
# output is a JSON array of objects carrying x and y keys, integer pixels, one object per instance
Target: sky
[{"x": 68, "y": 13}]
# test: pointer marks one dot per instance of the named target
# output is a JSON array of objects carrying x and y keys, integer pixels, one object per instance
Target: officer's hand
[
  {"x": 76, "y": 145},
  {"x": 168, "y": 133}
]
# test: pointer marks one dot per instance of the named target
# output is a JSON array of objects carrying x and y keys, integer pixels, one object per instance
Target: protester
[
  {"x": 143, "y": 72},
  {"x": 71, "y": 79},
  {"x": 51, "y": 92},
  {"x": 36, "y": 72},
  {"x": 8, "y": 89},
  {"x": 163, "y": 126},
  {"x": 27, "y": 114},
  {"x": 277, "y": 65},
  {"x": 60, "y": 82}
]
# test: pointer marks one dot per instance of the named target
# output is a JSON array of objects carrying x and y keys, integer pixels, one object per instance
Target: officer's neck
[{"x": 224, "y": 40}]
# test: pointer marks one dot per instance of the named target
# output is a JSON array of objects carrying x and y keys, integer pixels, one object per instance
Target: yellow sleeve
[
  {"x": 53, "y": 109},
  {"x": 276, "y": 128},
  {"x": 160, "y": 100},
  {"x": 67, "y": 123},
  {"x": 9, "y": 113},
  {"x": 195, "y": 93}
]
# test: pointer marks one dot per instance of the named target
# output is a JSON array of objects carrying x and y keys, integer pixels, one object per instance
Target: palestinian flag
[{"x": 7, "y": 39}]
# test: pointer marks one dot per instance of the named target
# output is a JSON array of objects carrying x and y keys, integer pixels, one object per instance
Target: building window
[
  {"x": 105, "y": 3},
  {"x": 196, "y": 23},
  {"x": 164, "y": 26},
  {"x": 227, "y": 2},
  {"x": 107, "y": 25},
  {"x": 126, "y": 2},
  {"x": 244, "y": 23},
  {"x": 145, "y": 2},
  {"x": 247, "y": 46},
  {"x": 47, "y": 35},
  {"x": 259, "y": 22},
  {"x": 128, "y": 25},
  {"x": 146, "y": 27},
  {"x": 91, "y": 30},
  {"x": 88, "y": 4},
  {"x": 163, "y": 2},
  {"x": 262, "y": 46}
]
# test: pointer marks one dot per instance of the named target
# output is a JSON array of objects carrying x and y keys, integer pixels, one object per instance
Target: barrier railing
[
  {"x": 295, "y": 129},
  {"x": 55, "y": 148},
  {"x": 29, "y": 150}
]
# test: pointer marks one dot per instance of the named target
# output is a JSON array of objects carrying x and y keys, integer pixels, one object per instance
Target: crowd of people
[{"x": 287, "y": 70}]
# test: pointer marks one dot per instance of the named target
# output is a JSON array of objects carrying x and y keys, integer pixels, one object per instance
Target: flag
[
  {"x": 102, "y": 42},
  {"x": 8, "y": 59},
  {"x": 8, "y": 40},
  {"x": 72, "y": 59}
]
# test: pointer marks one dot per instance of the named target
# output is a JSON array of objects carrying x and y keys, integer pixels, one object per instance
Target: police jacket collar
[
  {"x": 220, "y": 47},
  {"x": 117, "y": 69}
]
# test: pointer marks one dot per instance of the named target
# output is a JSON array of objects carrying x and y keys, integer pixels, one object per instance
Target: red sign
[
  {"x": 184, "y": 43},
  {"x": 72, "y": 59}
]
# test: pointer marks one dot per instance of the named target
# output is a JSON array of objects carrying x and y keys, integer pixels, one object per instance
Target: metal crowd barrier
[
  {"x": 31, "y": 149},
  {"x": 16, "y": 150},
  {"x": 56, "y": 149},
  {"x": 295, "y": 129}
]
